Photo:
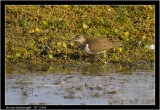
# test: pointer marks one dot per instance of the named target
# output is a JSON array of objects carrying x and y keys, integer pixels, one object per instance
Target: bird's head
[{"x": 80, "y": 38}]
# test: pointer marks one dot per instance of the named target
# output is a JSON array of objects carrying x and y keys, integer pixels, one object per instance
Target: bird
[{"x": 95, "y": 45}]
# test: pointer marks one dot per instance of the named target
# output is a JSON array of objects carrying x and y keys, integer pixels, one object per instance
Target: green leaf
[
  {"x": 59, "y": 50},
  {"x": 126, "y": 34},
  {"x": 59, "y": 44},
  {"x": 50, "y": 56},
  {"x": 72, "y": 44},
  {"x": 85, "y": 26},
  {"x": 45, "y": 23},
  {"x": 64, "y": 45},
  {"x": 23, "y": 22},
  {"x": 18, "y": 54}
]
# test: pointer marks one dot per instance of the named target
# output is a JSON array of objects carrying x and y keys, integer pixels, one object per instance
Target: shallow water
[{"x": 58, "y": 88}]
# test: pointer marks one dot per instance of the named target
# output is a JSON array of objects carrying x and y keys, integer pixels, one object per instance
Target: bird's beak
[
  {"x": 72, "y": 40},
  {"x": 75, "y": 40}
]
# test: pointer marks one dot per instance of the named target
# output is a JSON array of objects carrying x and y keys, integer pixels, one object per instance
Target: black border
[{"x": 156, "y": 3}]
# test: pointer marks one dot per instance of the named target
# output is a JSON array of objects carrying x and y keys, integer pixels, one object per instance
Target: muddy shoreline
[{"x": 137, "y": 88}]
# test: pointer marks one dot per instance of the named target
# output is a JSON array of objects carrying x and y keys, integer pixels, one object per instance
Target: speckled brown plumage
[{"x": 96, "y": 45}]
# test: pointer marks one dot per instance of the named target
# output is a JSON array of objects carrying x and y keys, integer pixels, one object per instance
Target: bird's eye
[{"x": 77, "y": 37}]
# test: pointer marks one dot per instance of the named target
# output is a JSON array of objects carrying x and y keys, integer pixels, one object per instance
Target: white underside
[{"x": 87, "y": 49}]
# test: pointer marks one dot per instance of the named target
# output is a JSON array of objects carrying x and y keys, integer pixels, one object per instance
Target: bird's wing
[{"x": 101, "y": 44}]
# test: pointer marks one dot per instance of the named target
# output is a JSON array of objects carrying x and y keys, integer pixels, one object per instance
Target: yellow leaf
[
  {"x": 59, "y": 44},
  {"x": 40, "y": 39},
  {"x": 151, "y": 7},
  {"x": 18, "y": 54},
  {"x": 31, "y": 31},
  {"x": 120, "y": 67},
  {"x": 85, "y": 26},
  {"x": 116, "y": 58},
  {"x": 37, "y": 29},
  {"x": 64, "y": 45},
  {"x": 120, "y": 49},
  {"x": 51, "y": 51},
  {"x": 59, "y": 51},
  {"x": 144, "y": 37},
  {"x": 126, "y": 33},
  {"x": 50, "y": 56},
  {"x": 8, "y": 56},
  {"x": 45, "y": 22},
  {"x": 72, "y": 44}
]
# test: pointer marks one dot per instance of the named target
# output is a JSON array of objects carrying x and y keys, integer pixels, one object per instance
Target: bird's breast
[{"x": 87, "y": 49}]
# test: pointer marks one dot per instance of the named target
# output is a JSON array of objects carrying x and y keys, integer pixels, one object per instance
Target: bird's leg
[
  {"x": 105, "y": 56},
  {"x": 80, "y": 57},
  {"x": 106, "y": 62},
  {"x": 100, "y": 58}
]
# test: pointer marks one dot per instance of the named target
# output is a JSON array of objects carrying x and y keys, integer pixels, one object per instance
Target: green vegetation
[{"x": 42, "y": 35}]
